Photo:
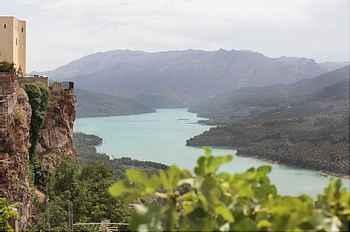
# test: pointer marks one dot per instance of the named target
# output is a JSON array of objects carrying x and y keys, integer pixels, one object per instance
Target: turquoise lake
[{"x": 161, "y": 137}]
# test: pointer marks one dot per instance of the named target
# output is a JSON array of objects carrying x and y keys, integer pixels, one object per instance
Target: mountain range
[{"x": 183, "y": 78}]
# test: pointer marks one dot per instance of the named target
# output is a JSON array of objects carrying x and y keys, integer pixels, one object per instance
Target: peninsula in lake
[{"x": 305, "y": 124}]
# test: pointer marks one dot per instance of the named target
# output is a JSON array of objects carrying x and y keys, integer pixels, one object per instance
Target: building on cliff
[
  {"x": 13, "y": 42},
  {"x": 55, "y": 142}
]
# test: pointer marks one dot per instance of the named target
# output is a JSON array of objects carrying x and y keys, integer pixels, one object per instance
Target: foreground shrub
[{"x": 209, "y": 200}]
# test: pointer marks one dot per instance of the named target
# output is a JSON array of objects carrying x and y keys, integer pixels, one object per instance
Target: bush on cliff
[
  {"x": 7, "y": 67},
  {"x": 8, "y": 212},
  {"x": 38, "y": 99},
  {"x": 209, "y": 200}
]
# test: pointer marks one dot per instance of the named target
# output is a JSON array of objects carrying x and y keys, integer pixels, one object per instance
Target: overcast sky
[{"x": 60, "y": 31}]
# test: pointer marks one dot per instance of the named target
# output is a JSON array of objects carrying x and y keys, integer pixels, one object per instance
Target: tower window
[
  {"x": 5, "y": 26},
  {"x": 16, "y": 41},
  {"x": 22, "y": 29}
]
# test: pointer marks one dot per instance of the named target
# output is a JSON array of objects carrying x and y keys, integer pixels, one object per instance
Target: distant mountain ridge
[
  {"x": 250, "y": 100},
  {"x": 330, "y": 66},
  {"x": 187, "y": 76}
]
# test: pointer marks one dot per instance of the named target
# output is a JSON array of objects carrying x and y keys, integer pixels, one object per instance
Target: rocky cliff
[
  {"x": 56, "y": 137},
  {"x": 55, "y": 143},
  {"x": 14, "y": 159}
]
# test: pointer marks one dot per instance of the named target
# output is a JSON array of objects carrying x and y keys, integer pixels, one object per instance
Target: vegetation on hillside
[
  {"x": 38, "y": 99},
  {"x": 7, "y": 212},
  {"x": 283, "y": 123},
  {"x": 209, "y": 200},
  {"x": 93, "y": 104},
  {"x": 286, "y": 140},
  {"x": 84, "y": 187}
]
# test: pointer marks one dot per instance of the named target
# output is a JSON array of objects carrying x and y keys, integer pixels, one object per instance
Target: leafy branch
[{"x": 210, "y": 200}]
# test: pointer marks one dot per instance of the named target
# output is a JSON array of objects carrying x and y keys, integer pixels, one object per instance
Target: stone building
[{"x": 13, "y": 42}]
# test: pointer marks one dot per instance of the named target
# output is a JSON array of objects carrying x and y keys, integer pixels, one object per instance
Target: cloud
[{"x": 63, "y": 30}]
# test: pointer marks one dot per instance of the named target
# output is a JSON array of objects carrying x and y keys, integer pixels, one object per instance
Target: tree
[
  {"x": 39, "y": 99},
  {"x": 85, "y": 188}
]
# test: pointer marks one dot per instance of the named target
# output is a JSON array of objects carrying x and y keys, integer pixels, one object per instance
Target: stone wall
[
  {"x": 8, "y": 83},
  {"x": 56, "y": 88},
  {"x": 34, "y": 79}
]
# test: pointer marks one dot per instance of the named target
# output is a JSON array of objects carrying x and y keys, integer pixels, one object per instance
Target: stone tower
[{"x": 13, "y": 42}]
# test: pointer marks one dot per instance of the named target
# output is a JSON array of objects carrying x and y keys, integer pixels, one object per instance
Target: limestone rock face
[
  {"x": 14, "y": 159},
  {"x": 56, "y": 138}
]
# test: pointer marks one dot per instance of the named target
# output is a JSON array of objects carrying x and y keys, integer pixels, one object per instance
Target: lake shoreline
[
  {"x": 108, "y": 115},
  {"x": 320, "y": 172},
  {"x": 87, "y": 153},
  {"x": 116, "y": 115},
  {"x": 161, "y": 137}
]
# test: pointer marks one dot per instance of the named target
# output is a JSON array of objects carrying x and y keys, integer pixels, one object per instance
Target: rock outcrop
[
  {"x": 56, "y": 137},
  {"x": 55, "y": 144}
]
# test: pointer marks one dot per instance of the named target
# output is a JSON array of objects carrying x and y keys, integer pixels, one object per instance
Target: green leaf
[
  {"x": 266, "y": 169},
  {"x": 264, "y": 225},
  {"x": 245, "y": 224},
  {"x": 225, "y": 213}
]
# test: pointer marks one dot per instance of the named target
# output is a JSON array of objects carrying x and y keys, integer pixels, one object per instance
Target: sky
[{"x": 60, "y": 31}]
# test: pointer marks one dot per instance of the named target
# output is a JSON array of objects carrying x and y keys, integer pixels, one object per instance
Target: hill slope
[
  {"x": 92, "y": 104},
  {"x": 250, "y": 101},
  {"x": 309, "y": 129}
]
